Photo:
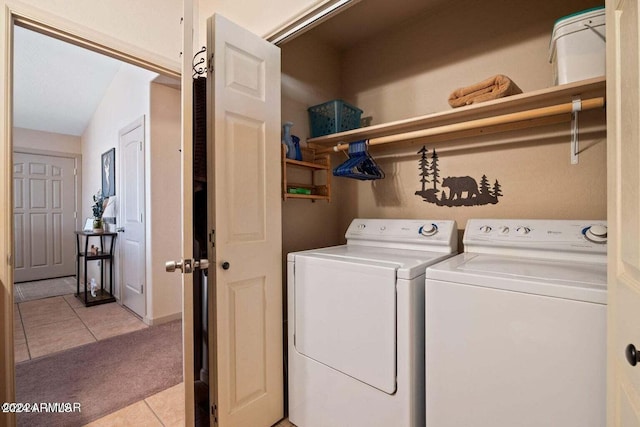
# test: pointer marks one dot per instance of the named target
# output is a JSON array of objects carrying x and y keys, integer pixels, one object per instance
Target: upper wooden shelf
[{"x": 453, "y": 121}]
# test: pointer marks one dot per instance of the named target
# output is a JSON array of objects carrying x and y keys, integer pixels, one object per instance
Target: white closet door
[
  {"x": 246, "y": 262},
  {"x": 44, "y": 216},
  {"x": 623, "y": 216}
]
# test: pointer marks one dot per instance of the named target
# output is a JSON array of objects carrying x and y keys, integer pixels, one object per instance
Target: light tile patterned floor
[
  {"x": 58, "y": 323},
  {"x": 54, "y": 324}
]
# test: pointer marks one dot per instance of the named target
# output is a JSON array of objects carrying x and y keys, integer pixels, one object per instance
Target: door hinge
[
  {"x": 210, "y": 63},
  {"x": 140, "y": 216},
  {"x": 142, "y": 289},
  {"x": 140, "y": 144},
  {"x": 75, "y": 171},
  {"x": 214, "y": 412},
  {"x": 212, "y": 238}
]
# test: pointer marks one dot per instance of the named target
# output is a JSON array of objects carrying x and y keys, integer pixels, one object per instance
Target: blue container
[{"x": 332, "y": 117}]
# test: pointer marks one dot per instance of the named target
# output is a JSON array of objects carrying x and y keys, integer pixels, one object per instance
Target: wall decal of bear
[{"x": 456, "y": 190}]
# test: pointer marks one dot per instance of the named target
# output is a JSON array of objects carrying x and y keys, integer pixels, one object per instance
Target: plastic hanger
[{"x": 360, "y": 165}]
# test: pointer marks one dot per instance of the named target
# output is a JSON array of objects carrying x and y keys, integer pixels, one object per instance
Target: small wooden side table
[{"x": 102, "y": 295}]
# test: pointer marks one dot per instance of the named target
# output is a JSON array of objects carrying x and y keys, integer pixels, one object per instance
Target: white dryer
[
  {"x": 356, "y": 324},
  {"x": 516, "y": 327}
]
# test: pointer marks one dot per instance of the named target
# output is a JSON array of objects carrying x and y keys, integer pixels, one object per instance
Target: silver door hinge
[
  {"x": 140, "y": 144},
  {"x": 212, "y": 238},
  {"x": 142, "y": 289},
  {"x": 214, "y": 412},
  {"x": 210, "y": 63}
]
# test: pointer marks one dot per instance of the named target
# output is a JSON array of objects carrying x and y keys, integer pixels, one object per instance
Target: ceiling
[
  {"x": 372, "y": 17},
  {"x": 57, "y": 86}
]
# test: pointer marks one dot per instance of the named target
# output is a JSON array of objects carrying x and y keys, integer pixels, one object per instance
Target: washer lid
[
  {"x": 581, "y": 281},
  {"x": 408, "y": 263}
]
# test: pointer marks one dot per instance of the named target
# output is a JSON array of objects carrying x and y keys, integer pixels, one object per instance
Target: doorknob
[
  {"x": 225, "y": 265},
  {"x": 632, "y": 355},
  {"x": 170, "y": 266},
  {"x": 186, "y": 266}
]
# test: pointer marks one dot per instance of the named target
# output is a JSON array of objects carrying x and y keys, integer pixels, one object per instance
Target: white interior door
[
  {"x": 245, "y": 218},
  {"x": 623, "y": 145},
  {"x": 132, "y": 240},
  {"x": 44, "y": 212}
]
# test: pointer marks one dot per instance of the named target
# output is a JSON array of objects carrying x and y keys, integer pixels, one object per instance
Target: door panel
[
  {"x": 132, "y": 211},
  {"x": 44, "y": 214},
  {"x": 245, "y": 215},
  {"x": 623, "y": 156}
]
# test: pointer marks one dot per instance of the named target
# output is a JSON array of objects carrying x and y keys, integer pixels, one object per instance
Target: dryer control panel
[
  {"x": 552, "y": 238},
  {"x": 404, "y": 233}
]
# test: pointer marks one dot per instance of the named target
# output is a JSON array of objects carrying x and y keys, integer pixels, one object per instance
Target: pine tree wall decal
[
  {"x": 423, "y": 167},
  {"x": 435, "y": 170},
  {"x": 458, "y": 190}
]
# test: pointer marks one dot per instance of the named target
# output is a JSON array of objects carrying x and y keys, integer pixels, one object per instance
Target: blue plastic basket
[{"x": 333, "y": 116}]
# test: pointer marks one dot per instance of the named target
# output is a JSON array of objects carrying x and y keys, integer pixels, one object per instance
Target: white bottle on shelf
[{"x": 94, "y": 286}]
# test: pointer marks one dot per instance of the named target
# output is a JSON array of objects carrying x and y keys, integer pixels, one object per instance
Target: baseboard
[{"x": 162, "y": 319}]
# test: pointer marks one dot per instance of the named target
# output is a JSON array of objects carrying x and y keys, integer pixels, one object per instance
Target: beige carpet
[{"x": 102, "y": 377}]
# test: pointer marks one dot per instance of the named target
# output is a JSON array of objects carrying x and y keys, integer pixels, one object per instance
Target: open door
[
  {"x": 623, "y": 156},
  {"x": 245, "y": 306}
]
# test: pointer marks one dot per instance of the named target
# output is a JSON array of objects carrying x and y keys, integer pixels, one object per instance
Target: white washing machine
[
  {"x": 356, "y": 324},
  {"x": 516, "y": 327}
]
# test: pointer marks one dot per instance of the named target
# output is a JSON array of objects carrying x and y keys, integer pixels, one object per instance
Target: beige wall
[
  {"x": 310, "y": 75},
  {"x": 411, "y": 70},
  {"x": 261, "y": 18},
  {"x": 126, "y": 100},
  {"x": 38, "y": 140},
  {"x": 165, "y": 184}
]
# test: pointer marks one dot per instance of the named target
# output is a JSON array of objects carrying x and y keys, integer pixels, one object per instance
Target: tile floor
[
  {"x": 164, "y": 409},
  {"x": 54, "y": 324},
  {"x": 58, "y": 323}
]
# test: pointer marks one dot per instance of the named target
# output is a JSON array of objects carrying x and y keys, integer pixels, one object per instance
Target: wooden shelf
[
  {"x": 314, "y": 164},
  {"x": 303, "y": 164},
  {"x": 451, "y": 124}
]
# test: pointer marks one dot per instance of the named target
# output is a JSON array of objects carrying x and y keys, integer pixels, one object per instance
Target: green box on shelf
[{"x": 332, "y": 117}]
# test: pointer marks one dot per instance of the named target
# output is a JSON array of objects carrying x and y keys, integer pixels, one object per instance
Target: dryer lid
[{"x": 407, "y": 263}]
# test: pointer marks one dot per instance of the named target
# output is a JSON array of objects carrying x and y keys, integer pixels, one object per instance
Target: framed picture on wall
[{"x": 109, "y": 173}]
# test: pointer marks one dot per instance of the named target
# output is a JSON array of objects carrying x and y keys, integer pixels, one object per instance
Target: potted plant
[{"x": 98, "y": 210}]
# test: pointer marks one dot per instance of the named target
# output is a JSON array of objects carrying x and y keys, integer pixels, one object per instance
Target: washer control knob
[
  {"x": 361, "y": 226},
  {"x": 504, "y": 229},
  {"x": 523, "y": 230},
  {"x": 428, "y": 229},
  {"x": 596, "y": 234},
  {"x": 485, "y": 229}
]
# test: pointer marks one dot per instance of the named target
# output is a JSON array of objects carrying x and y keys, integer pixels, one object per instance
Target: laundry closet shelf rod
[{"x": 488, "y": 122}]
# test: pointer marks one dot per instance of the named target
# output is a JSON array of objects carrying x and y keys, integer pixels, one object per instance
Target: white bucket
[{"x": 577, "y": 48}]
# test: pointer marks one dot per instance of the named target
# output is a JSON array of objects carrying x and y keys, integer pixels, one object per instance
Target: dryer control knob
[
  {"x": 596, "y": 234},
  {"x": 523, "y": 230},
  {"x": 504, "y": 230},
  {"x": 485, "y": 229},
  {"x": 428, "y": 229}
]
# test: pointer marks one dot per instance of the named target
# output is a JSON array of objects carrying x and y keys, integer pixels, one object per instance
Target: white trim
[{"x": 309, "y": 19}]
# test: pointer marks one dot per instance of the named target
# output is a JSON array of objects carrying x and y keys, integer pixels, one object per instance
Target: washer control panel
[
  {"x": 403, "y": 231},
  {"x": 554, "y": 235}
]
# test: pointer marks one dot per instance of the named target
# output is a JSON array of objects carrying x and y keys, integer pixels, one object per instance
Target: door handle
[
  {"x": 186, "y": 266},
  {"x": 225, "y": 265},
  {"x": 171, "y": 266},
  {"x": 632, "y": 355}
]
